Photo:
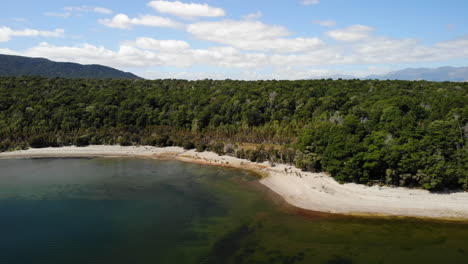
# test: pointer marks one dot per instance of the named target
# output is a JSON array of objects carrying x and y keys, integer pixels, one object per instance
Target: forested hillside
[
  {"x": 389, "y": 132},
  {"x": 25, "y": 66}
]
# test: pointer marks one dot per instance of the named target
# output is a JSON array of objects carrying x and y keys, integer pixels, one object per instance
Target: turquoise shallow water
[{"x": 150, "y": 211}]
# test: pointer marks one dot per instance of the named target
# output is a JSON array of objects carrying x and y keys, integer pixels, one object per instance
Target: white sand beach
[{"x": 306, "y": 190}]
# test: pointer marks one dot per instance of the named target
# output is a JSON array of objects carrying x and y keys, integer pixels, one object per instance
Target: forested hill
[
  {"x": 25, "y": 66},
  {"x": 398, "y": 133}
]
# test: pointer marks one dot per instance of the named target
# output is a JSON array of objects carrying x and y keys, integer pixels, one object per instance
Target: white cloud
[
  {"x": 310, "y": 2},
  {"x": 102, "y": 10},
  {"x": 229, "y": 29},
  {"x": 148, "y": 52},
  {"x": 161, "y": 45},
  {"x": 351, "y": 33},
  {"x": 229, "y": 57},
  {"x": 253, "y": 16},
  {"x": 388, "y": 50},
  {"x": 131, "y": 55},
  {"x": 90, "y": 54},
  {"x": 7, "y": 33},
  {"x": 96, "y": 9},
  {"x": 8, "y": 52},
  {"x": 325, "y": 23},
  {"x": 124, "y": 22},
  {"x": 252, "y": 35},
  {"x": 248, "y": 49},
  {"x": 184, "y": 10},
  {"x": 323, "y": 56},
  {"x": 457, "y": 47},
  {"x": 185, "y": 75},
  {"x": 457, "y": 44},
  {"x": 378, "y": 51},
  {"x": 60, "y": 15}
]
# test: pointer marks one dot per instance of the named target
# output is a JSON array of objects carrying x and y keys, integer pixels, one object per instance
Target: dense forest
[
  {"x": 19, "y": 66},
  {"x": 398, "y": 133}
]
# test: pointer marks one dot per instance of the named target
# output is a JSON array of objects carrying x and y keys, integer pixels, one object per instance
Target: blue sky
[{"x": 237, "y": 39}]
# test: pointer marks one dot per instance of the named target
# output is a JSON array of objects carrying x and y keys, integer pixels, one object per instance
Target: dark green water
[{"x": 149, "y": 211}]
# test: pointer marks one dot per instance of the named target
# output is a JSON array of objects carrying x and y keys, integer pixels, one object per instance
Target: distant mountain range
[
  {"x": 453, "y": 74},
  {"x": 19, "y": 66}
]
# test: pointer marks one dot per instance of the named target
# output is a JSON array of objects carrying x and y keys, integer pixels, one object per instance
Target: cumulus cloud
[
  {"x": 146, "y": 53},
  {"x": 248, "y": 49},
  {"x": 229, "y": 57},
  {"x": 455, "y": 47},
  {"x": 382, "y": 49},
  {"x": 7, "y": 33},
  {"x": 325, "y": 23},
  {"x": 161, "y": 45},
  {"x": 378, "y": 51},
  {"x": 310, "y": 2},
  {"x": 457, "y": 44},
  {"x": 185, "y": 10},
  {"x": 351, "y": 33},
  {"x": 323, "y": 56},
  {"x": 252, "y": 35},
  {"x": 122, "y": 21},
  {"x": 229, "y": 29},
  {"x": 89, "y": 54},
  {"x": 96, "y": 9}
]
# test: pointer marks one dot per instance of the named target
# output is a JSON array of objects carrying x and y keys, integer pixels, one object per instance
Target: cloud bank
[
  {"x": 7, "y": 33},
  {"x": 246, "y": 48},
  {"x": 186, "y": 10}
]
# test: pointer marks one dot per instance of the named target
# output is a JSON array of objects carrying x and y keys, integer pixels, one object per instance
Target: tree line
[{"x": 401, "y": 133}]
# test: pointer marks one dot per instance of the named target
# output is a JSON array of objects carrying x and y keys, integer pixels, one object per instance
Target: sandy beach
[{"x": 306, "y": 190}]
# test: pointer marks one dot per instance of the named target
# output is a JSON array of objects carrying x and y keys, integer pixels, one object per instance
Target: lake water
[{"x": 106, "y": 210}]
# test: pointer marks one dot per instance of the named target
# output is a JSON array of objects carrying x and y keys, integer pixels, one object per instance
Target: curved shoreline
[{"x": 305, "y": 190}]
